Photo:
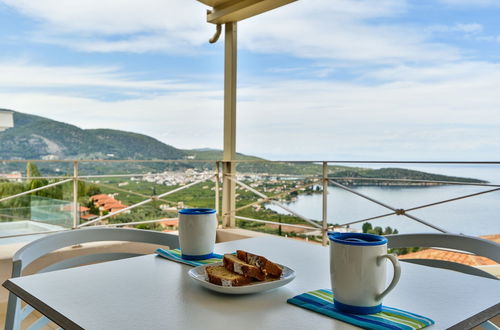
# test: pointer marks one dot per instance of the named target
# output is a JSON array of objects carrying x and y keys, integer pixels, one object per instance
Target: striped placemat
[
  {"x": 321, "y": 301},
  {"x": 175, "y": 255}
]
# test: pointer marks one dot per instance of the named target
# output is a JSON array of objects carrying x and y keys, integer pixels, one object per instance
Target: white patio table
[{"x": 150, "y": 292}]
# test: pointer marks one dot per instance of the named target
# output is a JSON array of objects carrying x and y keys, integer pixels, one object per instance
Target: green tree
[
  {"x": 92, "y": 208},
  {"x": 56, "y": 192},
  {"x": 10, "y": 189},
  {"x": 150, "y": 226},
  {"x": 93, "y": 189},
  {"x": 33, "y": 172}
]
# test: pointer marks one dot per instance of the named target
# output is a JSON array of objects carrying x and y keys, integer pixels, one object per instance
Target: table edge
[
  {"x": 478, "y": 319},
  {"x": 40, "y": 306},
  {"x": 67, "y": 323}
]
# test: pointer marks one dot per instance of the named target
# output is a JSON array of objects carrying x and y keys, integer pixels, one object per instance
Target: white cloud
[
  {"x": 426, "y": 102},
  {"x": 442, "y": 72},
  {"x": 448, "y": 112},
  {"x": 489, "y": 38},
  {"x": 317, "y": 29},
  {"x": 453, "y": 116},
  {"x": 139, "y": 44},
  {"x": 471, "y": 3},
  {"x": 118, "y": 25},
  {"x": 467, "y": 28},
  {"x": 113, "y": 17},
  {"x": 325, "y": 29},
  {"x": 184, "y": 119},
  {"x": 26, "y": 75}
]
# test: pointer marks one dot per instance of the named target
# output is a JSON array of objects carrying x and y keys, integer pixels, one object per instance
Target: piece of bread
[
  {"x": 232, "y": 263},
  {"x": 221, "y": 276},
  {"x": 268, "y": 267}
]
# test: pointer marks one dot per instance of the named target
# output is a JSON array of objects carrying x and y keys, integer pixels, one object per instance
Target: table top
[{"x": 150, "y": 292}]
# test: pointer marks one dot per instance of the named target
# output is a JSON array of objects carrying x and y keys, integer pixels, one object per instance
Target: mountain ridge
[{"x": 35, "y": 137}]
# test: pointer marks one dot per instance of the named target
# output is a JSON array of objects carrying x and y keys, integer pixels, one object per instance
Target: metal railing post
[
  {"x": 76, "y": 207},
  {"x": 325, "y": 203},
  {"x": 217, "y": 194},
  {"x": 228, "y": 195}
]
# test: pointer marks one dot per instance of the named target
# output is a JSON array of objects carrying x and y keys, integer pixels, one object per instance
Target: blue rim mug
[
  {"x": 358, "y": 271},
  {"x": 197, "y": 230}
]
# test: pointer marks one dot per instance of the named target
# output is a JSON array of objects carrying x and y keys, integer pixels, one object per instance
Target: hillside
[
  {"x": 260, "y": 165},
  {"x": 127, "y": 145},
  {"x": 393, "y": 173},
  {"x": 34, "y": 137},
  {"x": 214, "y": 154}
]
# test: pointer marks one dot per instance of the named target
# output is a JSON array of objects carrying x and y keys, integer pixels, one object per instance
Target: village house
[
  {"x": 169, "y": 224},
  {"x": 83, "y": 211},
  {"x": 107, "y": 203}
]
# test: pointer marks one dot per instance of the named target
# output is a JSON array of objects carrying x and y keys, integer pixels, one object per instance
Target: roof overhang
[{"x": 224, "y": 11}]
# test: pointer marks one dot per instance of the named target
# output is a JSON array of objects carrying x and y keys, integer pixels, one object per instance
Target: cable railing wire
[{"x": 263, "y": 198}]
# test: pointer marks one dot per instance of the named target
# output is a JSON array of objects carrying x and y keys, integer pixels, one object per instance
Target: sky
[{"x": 317, "y": 79}]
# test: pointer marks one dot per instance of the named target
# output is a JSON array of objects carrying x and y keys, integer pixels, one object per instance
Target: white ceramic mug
[
  {"x": 197, "y": 228},
  {"x": 358, "y": 271}
]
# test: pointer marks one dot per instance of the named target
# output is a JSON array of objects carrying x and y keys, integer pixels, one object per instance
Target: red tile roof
[
  {"x": 88, "y": 216},
  {"x": 103, "y": 201},
  {"x": 100, "y": 196},
  {"x": 69, "y": 207},
  {"x": 113, "y": 203},
  {"x": 462, "y": 258},
  {"x": 117, "y": 208},
  {"x": 495, "y": 238},
  {"x": 170, "y": 222}
]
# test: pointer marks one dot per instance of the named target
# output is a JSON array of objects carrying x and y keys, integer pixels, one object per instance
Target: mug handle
[{"x": 395, "y": 278}]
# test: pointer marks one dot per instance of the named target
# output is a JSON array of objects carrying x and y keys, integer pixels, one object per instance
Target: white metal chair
[
  {"x": 43, "y": 246},
  {"x": 460, "y": 243},
  {"x": 468, "y": 244}
]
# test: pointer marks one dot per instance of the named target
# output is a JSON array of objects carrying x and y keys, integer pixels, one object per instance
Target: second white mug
[{"x": 358, "y": 271}]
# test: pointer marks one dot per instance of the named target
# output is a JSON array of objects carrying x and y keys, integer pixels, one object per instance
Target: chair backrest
[
  {"x": 45, "y": 245},
  {"x": 470, "y": 244}
]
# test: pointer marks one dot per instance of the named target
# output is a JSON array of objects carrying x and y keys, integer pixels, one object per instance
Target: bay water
[{"x": 477, "y": 215}]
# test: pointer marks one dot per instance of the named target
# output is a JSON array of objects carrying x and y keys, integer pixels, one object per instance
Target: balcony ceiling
[{"x": 225, "y": 11}]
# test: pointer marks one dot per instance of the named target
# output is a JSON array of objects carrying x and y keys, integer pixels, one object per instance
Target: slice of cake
[
  {"x": 221, "y": 276},
  {"x": 232, "y": 263},
  {"x": 268, "y": 267}
]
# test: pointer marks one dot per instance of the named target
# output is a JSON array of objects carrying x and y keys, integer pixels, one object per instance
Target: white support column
[
  {"x": 229, "y": 168},
  {"x": 217, "y": 191},
  {"x": 325, "y": 203},
  {"x": 76, "y": 207}
]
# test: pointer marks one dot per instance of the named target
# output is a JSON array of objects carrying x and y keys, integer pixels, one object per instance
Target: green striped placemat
[{"x": 321, "y": 301}]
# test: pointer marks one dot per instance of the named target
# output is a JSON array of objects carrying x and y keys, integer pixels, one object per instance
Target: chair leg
[
  {"x": 12, "y": 320},
  {"x": 488, "y": 326},
  {"x": 26, "y": 311},
  {"x": 39, "y": 324}
]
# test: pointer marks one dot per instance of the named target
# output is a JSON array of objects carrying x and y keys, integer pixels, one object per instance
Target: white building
[{"x": 6, "y": 119}]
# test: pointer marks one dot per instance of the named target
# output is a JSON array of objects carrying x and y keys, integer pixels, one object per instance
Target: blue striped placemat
[
  {"x": 321, "y": 301},
  {"x": 175, "y": 255}
]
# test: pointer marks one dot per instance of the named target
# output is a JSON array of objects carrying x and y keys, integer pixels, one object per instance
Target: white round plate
[{"x": 198, "y": 275}]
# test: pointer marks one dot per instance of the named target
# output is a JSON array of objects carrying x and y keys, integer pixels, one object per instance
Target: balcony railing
[{"x": 215, "y": 175}]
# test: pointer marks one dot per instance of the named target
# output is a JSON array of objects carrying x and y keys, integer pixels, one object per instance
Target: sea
[{"x": 477, "y": 215}]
